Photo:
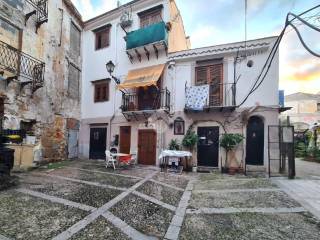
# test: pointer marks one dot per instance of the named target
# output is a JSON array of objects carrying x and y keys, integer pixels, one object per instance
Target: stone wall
[{"x": 57, "y": 44}]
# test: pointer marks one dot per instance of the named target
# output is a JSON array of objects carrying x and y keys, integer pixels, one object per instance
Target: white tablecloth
[{"x": 172, "y": 153}]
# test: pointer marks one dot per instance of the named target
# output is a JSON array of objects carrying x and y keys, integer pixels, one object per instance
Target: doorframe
[
  {"x": 98, "y": 125},
  {"x": 221, "y": 131},
  {"x": 120, "y": 136},
  {"x": 156, "y": 140},
  {"x": 263, "y": 119}
]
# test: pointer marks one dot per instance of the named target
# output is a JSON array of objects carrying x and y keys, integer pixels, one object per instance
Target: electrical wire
[{"x": 266, "y": 67}]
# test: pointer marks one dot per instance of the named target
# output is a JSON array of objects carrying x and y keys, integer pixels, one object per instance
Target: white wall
[
  {"x": 94, "y": 61},
  {"x": 266, "y": 94}
]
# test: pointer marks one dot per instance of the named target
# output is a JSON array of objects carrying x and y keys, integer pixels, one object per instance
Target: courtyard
[{"x": 84, "y": 200}]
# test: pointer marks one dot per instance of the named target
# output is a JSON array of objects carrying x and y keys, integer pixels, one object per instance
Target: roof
[
  {"x": 302, "y": 96},
  {"x": 254, "y": 44},
  {"x": 73, "y": 10}
]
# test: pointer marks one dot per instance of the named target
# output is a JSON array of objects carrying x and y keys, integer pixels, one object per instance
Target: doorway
[
  {"x": 125, "y": 139},
  {"x": 73, "y": 136},
  {"x": 208, "y": 146},
  {"x": 255, "y": 141},
  {"x": 98, "y": 143},
  {"x": 147, "y": 147}
]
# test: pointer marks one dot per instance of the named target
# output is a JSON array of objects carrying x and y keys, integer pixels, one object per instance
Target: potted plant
[
  {"x": 174, "y": 145},
  {"x": 229, "y": 142},
  {"x": 189, "y": 141}
]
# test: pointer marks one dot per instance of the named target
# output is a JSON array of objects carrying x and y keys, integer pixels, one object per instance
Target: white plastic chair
[{"x": 110, "y": 160}]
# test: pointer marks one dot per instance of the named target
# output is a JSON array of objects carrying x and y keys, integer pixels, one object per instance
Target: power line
[{"x": 269, "y": 61}]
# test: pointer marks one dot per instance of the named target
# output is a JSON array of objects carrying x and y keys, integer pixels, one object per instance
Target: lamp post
[{"x": 110, "y": 68}]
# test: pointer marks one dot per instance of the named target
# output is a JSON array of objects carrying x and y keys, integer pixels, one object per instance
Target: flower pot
[
  {"x": 233, "y": 170},
  {"x": 194, "y": 169}
]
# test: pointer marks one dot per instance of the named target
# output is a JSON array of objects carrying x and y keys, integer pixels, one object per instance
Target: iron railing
[
  {"x": 41, "y": 11},
  {"x": 132, "y": 102},
  {"x": 221, "y": 95},
  {"x": 22, "y": 65}
]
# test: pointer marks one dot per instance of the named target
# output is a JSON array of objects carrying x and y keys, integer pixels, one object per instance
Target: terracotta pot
[{"x": 232, "y": 170}]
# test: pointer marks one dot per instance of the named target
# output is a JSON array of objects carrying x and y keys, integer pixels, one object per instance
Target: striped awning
[{"x": 143, "y": 77}]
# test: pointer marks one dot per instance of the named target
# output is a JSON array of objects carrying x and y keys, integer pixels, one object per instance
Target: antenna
[{"x": 245, "y": 26}]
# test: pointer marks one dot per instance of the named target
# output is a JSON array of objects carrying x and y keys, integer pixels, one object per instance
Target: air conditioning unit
[{"x": 126, "y": 19}]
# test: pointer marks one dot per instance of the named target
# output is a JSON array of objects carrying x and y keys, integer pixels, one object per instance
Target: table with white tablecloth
[{"x": 166, "y": 157}]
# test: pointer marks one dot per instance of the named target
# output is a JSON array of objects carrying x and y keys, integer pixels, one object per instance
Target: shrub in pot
[
  {"x": 189, "y": 141},
  {"x": 229, "y": 141}
]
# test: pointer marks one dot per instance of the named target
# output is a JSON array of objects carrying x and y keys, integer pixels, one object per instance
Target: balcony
[
  {"x": 40, "y": 10},
  {"x": 144, "y": 41},
  {"x": 27, "y": 68},
  {"x": 211, "y": 98},
  {"x": 143, "y": 103}
]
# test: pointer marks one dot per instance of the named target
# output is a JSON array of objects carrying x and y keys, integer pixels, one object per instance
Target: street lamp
[{"x": 110, "y": 68}]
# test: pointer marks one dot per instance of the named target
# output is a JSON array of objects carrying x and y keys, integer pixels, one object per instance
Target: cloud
[{"x": 93, "y": 8}]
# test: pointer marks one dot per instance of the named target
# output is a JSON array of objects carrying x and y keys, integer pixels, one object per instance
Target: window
[
  {"x": 213, "y": 75},
  {"x": 73, "y": 82},
  {"x": 150, "y": 16},
  {"x": 101, "y": 90},
  {"x": 75, "y": 39},
  {"x": 102, "y": 37},
  {"x": 318, "y": 107}
]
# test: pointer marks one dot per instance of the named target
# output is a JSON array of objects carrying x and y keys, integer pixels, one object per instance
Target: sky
[{"x": 211, "y": 22}]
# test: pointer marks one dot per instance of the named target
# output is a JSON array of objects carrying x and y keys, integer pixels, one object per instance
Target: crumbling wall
[{"x": 51, "y": 105}]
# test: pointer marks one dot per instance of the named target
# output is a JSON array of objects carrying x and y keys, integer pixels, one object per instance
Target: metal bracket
[
  {"x": 28, "y": 15},
  {"x": 138, "y": 55},
  {"x": 156, "y": 51},
  {"x": 38, "y": 25},
  {"x": 23, "y": 84},
  {"x": 147, "y": 53}
]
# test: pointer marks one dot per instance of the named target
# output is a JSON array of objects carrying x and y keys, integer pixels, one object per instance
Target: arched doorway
[{"x": 255, "y": 141}]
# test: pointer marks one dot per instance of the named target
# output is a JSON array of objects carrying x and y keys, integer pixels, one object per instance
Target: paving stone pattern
[{"x": 84, "y": 200}]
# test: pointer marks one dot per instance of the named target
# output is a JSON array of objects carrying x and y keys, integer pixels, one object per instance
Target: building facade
[
  {"x": 40, "y": 68},
  {"x": 150, "y": 96},
  {"x": 305, "y": 110}
]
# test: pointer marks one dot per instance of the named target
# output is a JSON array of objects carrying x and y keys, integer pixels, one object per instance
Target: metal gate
[{"x": 281, "y": 151}]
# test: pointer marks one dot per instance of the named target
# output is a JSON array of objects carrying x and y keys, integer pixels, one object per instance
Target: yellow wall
[{"x": 178, "y": 40}]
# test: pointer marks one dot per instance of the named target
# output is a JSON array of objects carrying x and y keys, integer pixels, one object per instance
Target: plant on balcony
[
  {"x": 229, "y": 141},
  {"x": 174, "y": 145}
]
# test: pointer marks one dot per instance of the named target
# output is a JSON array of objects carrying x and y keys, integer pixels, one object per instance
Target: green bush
[
  {"x": 300, "y": 149},
  {"x": 190, "y": 139},
  {"x": 230, "y": 140},
  {"x": 174, "y": 145}
]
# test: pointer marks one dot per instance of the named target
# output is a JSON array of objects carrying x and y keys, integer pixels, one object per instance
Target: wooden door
[
  {"x": 125, "y": 139},
  {"x": 255, "y": 141},
  {"x": 147, "y": 146},
  {"x": 98, "y": 143},
  {"x": 208, "y": 146}
]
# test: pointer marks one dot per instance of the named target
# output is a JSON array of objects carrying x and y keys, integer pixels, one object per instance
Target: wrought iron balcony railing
[
  {"x": 133, "y": 102},
  {"x": 221, "y": 96},
  {"x": 41, "y": 12},
  {"x": 22, "y": 65}
]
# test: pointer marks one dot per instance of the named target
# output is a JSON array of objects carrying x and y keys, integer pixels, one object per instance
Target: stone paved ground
[{"x": 84, "y": 200}]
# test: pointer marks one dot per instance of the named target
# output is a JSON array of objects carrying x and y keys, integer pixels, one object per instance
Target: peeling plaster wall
[{"x": 50, "y": 105}]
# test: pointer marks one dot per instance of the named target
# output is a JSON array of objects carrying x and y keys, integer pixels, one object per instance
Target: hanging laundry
[{"x": 197, "y": 97}]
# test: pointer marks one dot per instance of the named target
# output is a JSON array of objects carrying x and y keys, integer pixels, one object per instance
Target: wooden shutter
[
  {"x": 150, "y": 18},
  {"x": 102, "y": 38},
  {"x": 101, "y": 92},
  {"x": 201, "y": 75},
  {"x": 216, "y": 84}
]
